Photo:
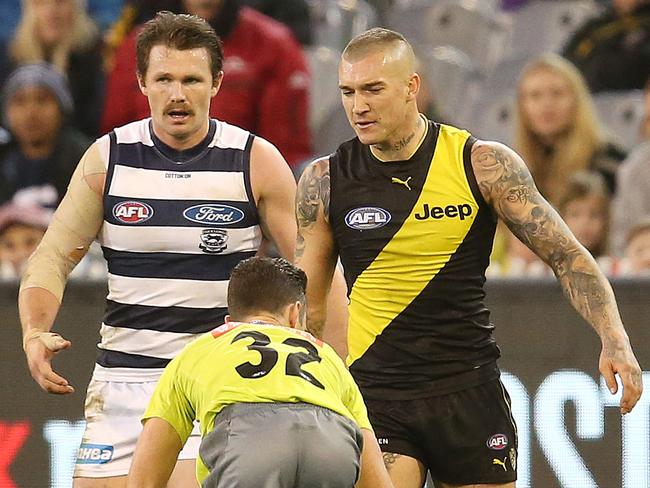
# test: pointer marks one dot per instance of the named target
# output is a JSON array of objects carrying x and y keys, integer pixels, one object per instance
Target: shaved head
[{"x": 378, "y": 40}]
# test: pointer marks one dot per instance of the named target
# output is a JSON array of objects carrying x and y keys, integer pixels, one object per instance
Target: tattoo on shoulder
[
  {"x": 506, "y": 183},
  {"x": 312, "y": 195}
]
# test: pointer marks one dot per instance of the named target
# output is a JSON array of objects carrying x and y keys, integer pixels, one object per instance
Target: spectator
[
  {"x": 266, "y": 82},
  {"x": 557, "y": 131},
  {"x": 637, "y": 250},
  {"x": 21, "y": 230},
  {"x": 585, "y": 209},
  {"x": 613, "y": 50},
  {"x": 60, "y": 32},
  {"x": 37, "y": 162}
]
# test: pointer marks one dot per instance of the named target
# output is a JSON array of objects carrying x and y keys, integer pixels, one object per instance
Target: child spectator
[
  {"x": 557, "y": 132},
  {"x": 637, "y": 251},
  {"x": 21, "y": 230},
  {"x": 585, "y": 209}
]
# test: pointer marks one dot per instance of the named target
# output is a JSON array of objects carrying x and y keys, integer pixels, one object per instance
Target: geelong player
[{"x": 176, "y": 201}]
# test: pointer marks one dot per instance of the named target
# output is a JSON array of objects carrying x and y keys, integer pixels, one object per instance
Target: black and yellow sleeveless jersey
[{"x": 414, "y": 238}]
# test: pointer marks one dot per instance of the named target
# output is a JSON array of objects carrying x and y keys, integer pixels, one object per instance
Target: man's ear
[
  {"x": 143, "y": 87},
  {"x": 298, "y": 316},
  {"x": 227, "y": 319},
  {"x": 413, "y": 85},
  {"x": 216, "y": 84},
  {"x": 293, "y": 314}
]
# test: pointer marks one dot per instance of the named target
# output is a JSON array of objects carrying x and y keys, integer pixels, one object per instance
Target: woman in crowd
[{"x": 557, "y": 131}]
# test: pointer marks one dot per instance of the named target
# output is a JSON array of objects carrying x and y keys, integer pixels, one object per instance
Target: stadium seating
[
  {"x": 621, "y": 114},
  {"x": 541, "y": 26},
  {"x": 337, "y": 21}
]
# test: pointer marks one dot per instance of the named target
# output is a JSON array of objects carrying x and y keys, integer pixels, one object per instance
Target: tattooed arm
[
  {"x": 315, "y": 252},
  {"x": 507, "y": 186}
]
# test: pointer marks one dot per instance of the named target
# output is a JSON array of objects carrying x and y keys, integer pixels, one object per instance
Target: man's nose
[
  {"x": 177, "y": 93},
  {"x": 359, "y": 104}
]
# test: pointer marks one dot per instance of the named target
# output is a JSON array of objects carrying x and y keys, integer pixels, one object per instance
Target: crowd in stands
[{"x": 67, "y": 76}]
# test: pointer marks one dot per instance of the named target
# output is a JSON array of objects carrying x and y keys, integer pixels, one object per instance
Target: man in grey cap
[{"x": 38, "y": 159}]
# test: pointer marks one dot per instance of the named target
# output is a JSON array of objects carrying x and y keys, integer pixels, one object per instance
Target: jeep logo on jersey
[
  {"x": 213, "y": 214},
  {"x": 132, "y": 212},
  {"x": 94, "y": 454},
  {"x": 452, "y": 211},
  {"x": 365, "y": 218},
  {"x": 497, "y": 442}
]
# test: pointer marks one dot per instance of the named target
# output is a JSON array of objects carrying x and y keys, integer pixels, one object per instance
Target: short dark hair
[
  {"x": 264, "y": 285},
  {"x": 178, "y": 31}
]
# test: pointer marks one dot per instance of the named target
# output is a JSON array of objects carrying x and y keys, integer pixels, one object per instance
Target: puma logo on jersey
[
  {"x": 501, "y": 463},
  {"x": 402, "y": 182},
  {"x": 452, "y": 211}
]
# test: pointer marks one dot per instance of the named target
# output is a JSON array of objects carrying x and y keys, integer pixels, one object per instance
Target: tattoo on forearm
[
  {"x": 506, "y": 183},
  {"x": 313, "y": 194},
  {"x": 389, "y": 459}
]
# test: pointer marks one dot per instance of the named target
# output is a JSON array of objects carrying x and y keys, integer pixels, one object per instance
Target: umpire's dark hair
[
  {"x": 264, "y": 285},
  {"x": 178, "y": 31}
]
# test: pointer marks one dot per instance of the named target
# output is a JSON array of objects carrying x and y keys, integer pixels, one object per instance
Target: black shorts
[{"x": 465, "y": 437}]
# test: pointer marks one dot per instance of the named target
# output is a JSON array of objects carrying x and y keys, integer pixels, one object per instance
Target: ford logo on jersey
[
  {"x": 132, "y": 212},
  {"x": 94, "y": 454},
  {"x": 366, "y": 218},
  {"x": 213, "y": 214}
]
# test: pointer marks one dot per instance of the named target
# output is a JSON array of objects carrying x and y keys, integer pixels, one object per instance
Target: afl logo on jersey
[
  {"x": 132, "y": 212},
  {"x": 366, "y": 218},
  {"x": 213, "y": 214}
]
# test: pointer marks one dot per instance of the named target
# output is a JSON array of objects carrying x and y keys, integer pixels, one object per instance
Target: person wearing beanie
[{"x": 38, "y": 159}]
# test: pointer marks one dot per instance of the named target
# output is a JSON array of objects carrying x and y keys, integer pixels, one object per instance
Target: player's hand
[
  {"x": 40, "y": 348},
  {"x": 617, "y": 357}
]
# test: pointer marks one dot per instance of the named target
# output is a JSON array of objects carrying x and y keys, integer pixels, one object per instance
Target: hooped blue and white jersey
[{"x": 175, "y": 225}]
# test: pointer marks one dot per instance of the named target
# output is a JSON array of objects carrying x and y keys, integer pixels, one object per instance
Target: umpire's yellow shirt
[{"x": 252, "y": 363}]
